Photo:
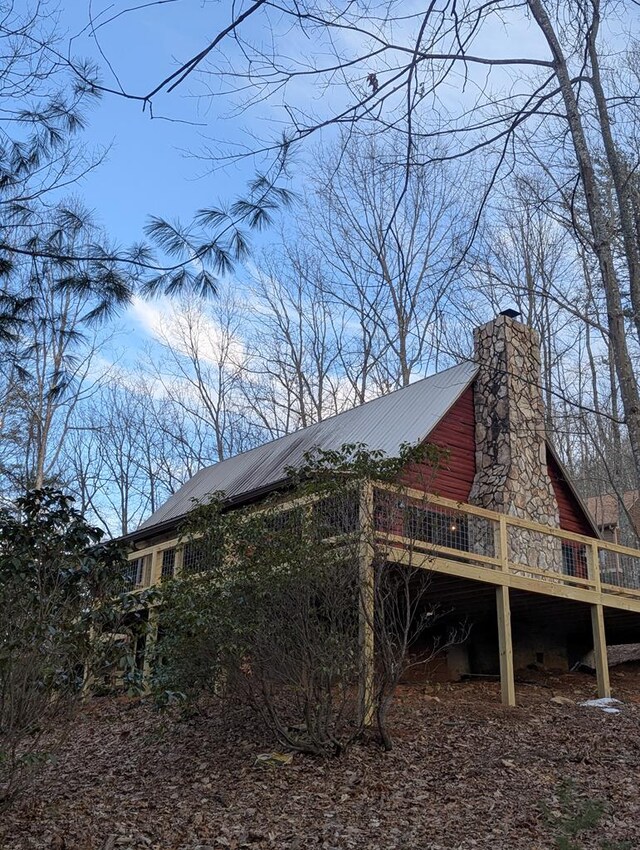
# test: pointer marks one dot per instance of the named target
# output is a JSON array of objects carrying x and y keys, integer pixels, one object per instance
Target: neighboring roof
[
  {"x": 605, "y": 509},
  {"x": 404, "y": 416}
]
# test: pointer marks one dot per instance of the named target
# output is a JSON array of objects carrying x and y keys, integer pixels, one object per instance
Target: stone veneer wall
[{"x": 511, "y": 455}]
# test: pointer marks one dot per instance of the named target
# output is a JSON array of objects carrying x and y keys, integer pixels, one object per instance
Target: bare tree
[
  {"x": 442, "y": 76},
  {"x": 294, "y": 376},
  {"x": 50, "y": 359},
  {"x": 389, "y": 243},
  {"x": 129, "y": 447},
  {"x": 201, "y": 372},
  {"x": 353, "y": 302}
]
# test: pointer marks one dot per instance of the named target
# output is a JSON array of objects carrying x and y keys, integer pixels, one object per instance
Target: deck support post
[
  {"x": 87, "y": 672},
  {"x": 507, "y": 681},
  {"x": 600, "y": 651},
  {"x": 151, "y": 638},
  {"x": 366, "y": 632}
]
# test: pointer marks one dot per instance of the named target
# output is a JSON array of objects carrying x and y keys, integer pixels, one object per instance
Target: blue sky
[
  {"x": 149, "y": 170},
  {"x": 146, "y": 169}
]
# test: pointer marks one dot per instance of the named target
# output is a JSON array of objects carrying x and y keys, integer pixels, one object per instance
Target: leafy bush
[
  {"x": 279, "y": 607},
  {"x": 59, "y": 588}
]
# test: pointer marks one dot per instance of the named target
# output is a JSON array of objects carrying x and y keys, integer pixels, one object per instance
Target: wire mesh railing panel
[
  {"x": 619, "y": 570},
  {"x": 168, "y": 564},
  {"x": 336, "y": 515},
  {"x": 201, "y": 556},
  {"x": 574, "y": 559},
  {"x": 284, "y": 521},
  {"x": 388, "y": 512},
  {"x": 131, "y": 573},
  {"x": 450, "y": 529},
  {"x": 430, "y": 527},
  {"x": 438, "y": 527}
]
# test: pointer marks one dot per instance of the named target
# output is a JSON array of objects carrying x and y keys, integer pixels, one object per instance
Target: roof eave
[{"x": 173, "y": 523}]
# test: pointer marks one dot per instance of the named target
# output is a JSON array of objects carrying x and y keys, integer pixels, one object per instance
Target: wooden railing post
[
  {"x": 156, "y": 567},
  {"x": 87, "y": 672},
  {"x": 593, "y": 565},
  {"x": 507, "y": 680},
  {"x": 503, "y": 608},
  {"x": 597, "y": 623},
  {"x": 503, "y": 544},
  {"x": 179, "y": 560},
  {"x": 366, "y": 605}
]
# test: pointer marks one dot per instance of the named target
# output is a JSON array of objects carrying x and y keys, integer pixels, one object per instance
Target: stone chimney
[{"x": 511, "y": 456}]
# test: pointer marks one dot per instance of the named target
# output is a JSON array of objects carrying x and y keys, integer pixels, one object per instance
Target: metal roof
[{"x": 404, "y": 416}]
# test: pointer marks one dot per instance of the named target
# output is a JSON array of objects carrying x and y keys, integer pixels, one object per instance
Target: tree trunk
[{"x": 601, "y": 238}]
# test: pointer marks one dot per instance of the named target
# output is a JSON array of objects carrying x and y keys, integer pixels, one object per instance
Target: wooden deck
[{"x": 460, "y": 540}]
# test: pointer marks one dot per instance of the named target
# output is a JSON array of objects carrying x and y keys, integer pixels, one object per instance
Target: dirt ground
[{"x": 465, "y": 773}]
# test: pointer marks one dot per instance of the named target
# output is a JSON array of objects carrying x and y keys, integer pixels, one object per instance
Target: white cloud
[
  {"x": 150, "y": 314},
  {"x": 187, "y": 328}
]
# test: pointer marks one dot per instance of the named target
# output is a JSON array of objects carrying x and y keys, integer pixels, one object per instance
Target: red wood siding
[
  {"x": 572, "y": 517},
  {"x": 456, "y": 432}
]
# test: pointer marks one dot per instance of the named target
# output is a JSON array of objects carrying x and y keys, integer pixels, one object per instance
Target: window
[
  {"x": 168, "y": 564},
  {"x": 437, "y": 527}
]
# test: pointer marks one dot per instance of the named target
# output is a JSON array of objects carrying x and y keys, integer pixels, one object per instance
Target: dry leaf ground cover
[{"x": 465, "y": 773}]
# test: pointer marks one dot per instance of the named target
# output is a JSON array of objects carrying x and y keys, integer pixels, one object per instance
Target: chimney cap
[{"x": 511, "y": 314}]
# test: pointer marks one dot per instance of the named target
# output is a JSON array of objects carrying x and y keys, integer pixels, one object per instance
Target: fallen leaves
[
  {"x": 465, "y": 774},
  {"x": 273, "y": 759}
]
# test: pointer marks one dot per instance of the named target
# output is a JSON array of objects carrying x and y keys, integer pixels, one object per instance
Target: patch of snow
[{"x": 606, "y": 704}]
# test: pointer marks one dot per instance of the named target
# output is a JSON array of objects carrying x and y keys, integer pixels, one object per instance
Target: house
[
  {"x": 617, "y": 517},
  {"x": 524, "y": 561}
]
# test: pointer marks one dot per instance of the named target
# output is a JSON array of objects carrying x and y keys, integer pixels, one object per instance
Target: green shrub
[
  {"x": 59, "y": 589},
  {"x": 276, "y": 612}
]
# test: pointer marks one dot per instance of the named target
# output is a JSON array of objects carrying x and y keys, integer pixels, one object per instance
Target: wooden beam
[
  {"x": 428, "y": 548},
  {"x": 179, "y": 561},
  {"x": 366, "y": 635},
  {"x": 517, "y": 582},
  {"x": 87, "y": 672},
  {"x": 600, "y": 650},
  {"x": 156, "y": 567},
  {"x": 593, "y": 565},
  {"x": 507, "y": 681},
  {"x": 149, "y": 550}
]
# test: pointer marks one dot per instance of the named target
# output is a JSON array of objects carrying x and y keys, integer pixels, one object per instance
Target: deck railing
[
  {"x": 462, "y": 533},
  {"x": 459, "y": 538}
]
